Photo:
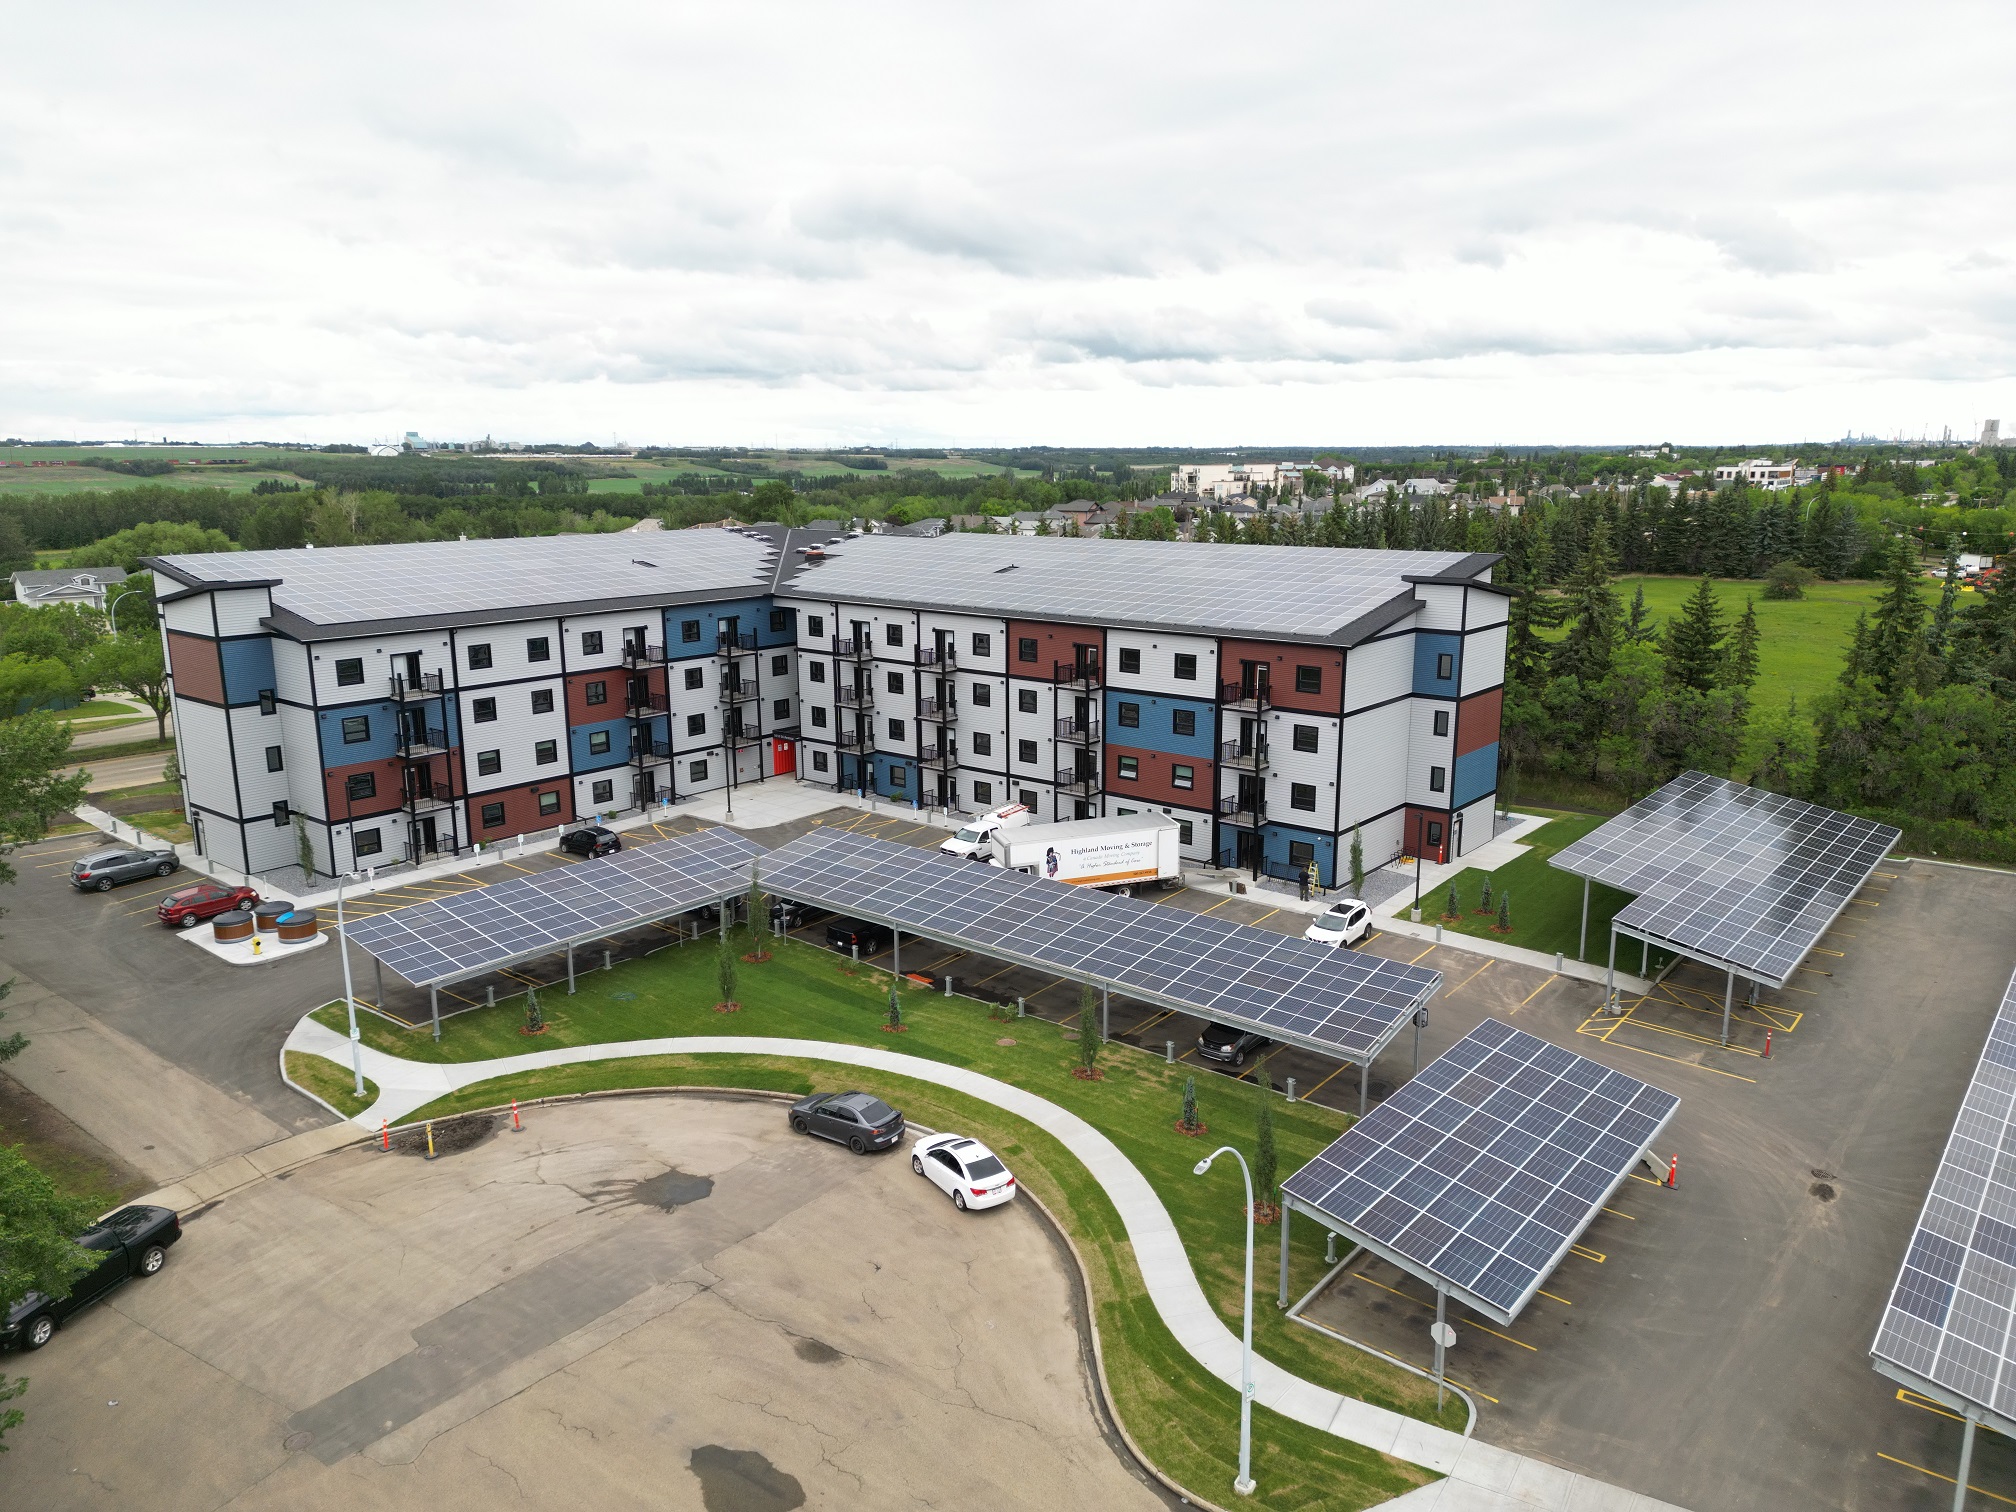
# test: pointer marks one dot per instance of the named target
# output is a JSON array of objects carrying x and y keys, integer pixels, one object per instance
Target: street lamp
[
  {"x": 349, "y": 992},
  {"x": 1244, "y": 1484}
]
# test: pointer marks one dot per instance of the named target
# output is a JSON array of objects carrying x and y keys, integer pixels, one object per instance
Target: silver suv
[{"x": 98, "y": 871}]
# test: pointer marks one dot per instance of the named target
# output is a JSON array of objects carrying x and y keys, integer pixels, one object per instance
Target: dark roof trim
[
  {"x": 199, "y": 585},
  {"x": 297, "y": 627},
  {"x": 1372, "y": 622},
  {"x": 1442, "y": 582}
]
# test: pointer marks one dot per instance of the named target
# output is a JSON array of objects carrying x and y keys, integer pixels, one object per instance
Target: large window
[
  {"x": 1441, "y": 721},
  {"x": 538, "y": 648},
  {"x": 983, "y": 696},
  {"x": 356, "y": 729},
  {"x": 482, "y": 710},
  {"x": 591, "y": 642},
  {"x": 1182, "y": 776},
  {"x": 899, "y": 776},
  {"x": 892, "y": 635},
  {"x": 546, "y": 751},
  {"x": 819, "y": 761},
  {"x": 895, "y": 682},
  {"x": 281, "y": 817},
  {"x": 1445, "y": 667},
  {"x": 602, "y": 792},
  {"x": 780, "y": 619},
  {"x": 360, "y": 785},
  {"x": 349, "y": 671},
  {"x": 1130, "y": 768},
  {"x": 780, "y": 708},
  {"x": 1025, "y": 752},
  {"x": 1305, "y": 737},
  {"x": 367, "y": 842},
  {"x": 780, "y": 666},
  {"x": 542, "y": 700},
  {"x": 1025, "y": 700},
  {"x": 596, "y": 692},
  {"x": 816, "y": 671},
  {"x": 479, "y": 658},
  {"x": 1026, "y": 797},
  {"x": 696, "y": 724},
  {"x": 269, "y": 701},
  {"x": 549, "y": 804},
  {"x": 1130, "y": 658},
  {"x": 983, "y": 794},
  {"x": 1025, "y": 648},
  {"x": 696, "y": 771},
  {"x": 1182, "y": 721},
  {"x": 696, "y": 677},
  {"x": 1301, "y": 854},
  {"x": 489, "y": 763},
  {"x": 493, "y": 816},
  {"x": 598, "y": 742},
  {"x": 896, "y": 730},
  {"x": 983, "y": 743},
  {"x": 818, "y": 717},
  {"x": 1302, "y": 795},
  {"x": 1130, "y": 715},
  {"x": 1183, "y": 832},
  {"x": 983, "y": 645},
  {"x": 815, "y": 625},
  {"x": 1186, "y": 666},
  {"x": 689, "y": 631},
  {"x": 1308, "y": 679}
]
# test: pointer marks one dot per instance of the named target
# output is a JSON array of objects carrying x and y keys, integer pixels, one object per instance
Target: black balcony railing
[
  {"x": 941, "y": 710},
  {"x": 857, "y": 646},
  {"x": 1083, "y": 731},
  {"x": 1239, "y": 811},
  {"x": 646, "y": 747},
  {"x": 729, "y": 644},
  {"x": 854, "y": 698},
  {"x": 734, "y": 691},
  {"x": 642, "y": 701},
  {"x": 1245, "y": 756},
  {"x": 853, "y": 740},
  {"x": 425, "y": 800},
  {"x": 1073, "y": 780},
  {"x": 416, "y": 744},
  {"x": 643, "y": 654},
  {"x": 407, "y": 689},
  {"x": 1244, "y": 695},
  {"x": 937, "y": 656},
  {"x": 1083, "y": 673}
]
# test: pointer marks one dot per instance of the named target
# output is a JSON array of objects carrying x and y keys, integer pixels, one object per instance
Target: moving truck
[
  {"x": 975, "y": 833},
  {"x": 1125, "y": 850}
]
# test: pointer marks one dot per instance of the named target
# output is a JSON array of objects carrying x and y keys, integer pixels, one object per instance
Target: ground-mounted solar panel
[
  {"x": 1947, "y": 1328},
  {"x": 1342, "y": 1003},
  {"x": 1482, "y": 1170},
  {"x": 462, "y": 936},
  {"x": 1733, "y": 875}
]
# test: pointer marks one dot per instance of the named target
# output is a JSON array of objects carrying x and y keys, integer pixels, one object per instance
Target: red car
[{"x": 186, "y": 907}]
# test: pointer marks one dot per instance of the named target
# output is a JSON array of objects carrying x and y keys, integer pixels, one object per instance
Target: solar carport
[
  {"x": 454, "y": 939},
  {"x": 1340, "y": 1003},
  {"x": 1741, "y": 880}
]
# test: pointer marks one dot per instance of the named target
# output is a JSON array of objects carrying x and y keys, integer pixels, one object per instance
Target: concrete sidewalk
[{"x": 1480, "y": 1477}]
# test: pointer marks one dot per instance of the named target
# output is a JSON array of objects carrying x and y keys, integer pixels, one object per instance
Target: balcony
[
  {"x": 854, "y": 698},
  {"x": 940, "y": 710},
  {"x": 1079, "y": 674},
  {"x": 735, "y": 691},
  {"x": 938, "y": 656},
  {"x": 421, "y": 745},
  {"x": 429, "y": 800},
  {"x": 853, "y": 740},
  {"x": 642, "y": 654},
  {"x": 732, "y": 645},
  {"x": 942, "y": 754},
  {"x": 1247, "y": 758},
  {"x": 644, "y": 748},
  {"x": 1080, "y": 731},
  {"x": 644, "y": 704},
  {"x": 1244, "y": 695},
  {"x": 1239, "y": 811},
  {"x": 857, "y": 646},
  {"x": 1072, "y": 780},
  {"x": 412, "y": 690}
]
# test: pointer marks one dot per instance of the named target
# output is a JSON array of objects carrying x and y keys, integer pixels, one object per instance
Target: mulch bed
[
  {"x": 1201, "y": 1129},
  {"x": 1088, "y": 1073},
  {"x": 895, "y": 1028},
  {"x": 451, "y": 1135},
  {"x": 756, "y": 957},
  {"x": 528, "y": 1029},
  {"x": 1265, "y": 1213},
  {"x": 727, "y": 1007}
]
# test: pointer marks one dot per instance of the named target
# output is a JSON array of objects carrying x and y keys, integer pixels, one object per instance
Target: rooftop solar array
[
  {"x": 354, "y": 584},
  {"x": 1733, "y": 874},
  {"x": 1339, "y": 1002},
  {"x": 1953, "y": 1308},
  {"x": 477, "y": 931},
  {"x": 1482, "y": 1170},
  {"x": 1208, "y": 588}
]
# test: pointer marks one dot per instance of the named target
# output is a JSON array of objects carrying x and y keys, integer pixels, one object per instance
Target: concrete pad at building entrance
[{"x": 631, "y": 1298}]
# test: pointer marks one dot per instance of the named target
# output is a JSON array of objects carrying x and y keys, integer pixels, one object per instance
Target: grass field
[
  {"x": 42, "y": 480},
  {"x": 164, "y": 824}
]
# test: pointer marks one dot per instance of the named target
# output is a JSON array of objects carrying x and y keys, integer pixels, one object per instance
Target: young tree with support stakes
[
  {"x": 535, "y": 1020},
  {"x": 1188, "y": 1124},
  {"x": 1504, "y": 913},
  {"x": 894, "y": 1023},
  {"x": 1266, "y": 1159},
  {"x": 1453, "y": 907},
  {"x": 1357, "y": 863},
  {"x": 724, "y": 972},
  {"x": 1088, "y": 1036},
  {"x": 758, "y": 921},
  {"x": 1484, "y": 898}
]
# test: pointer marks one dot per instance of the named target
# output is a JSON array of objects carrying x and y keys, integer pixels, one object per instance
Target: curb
[{"x": 337, "y": 1113}]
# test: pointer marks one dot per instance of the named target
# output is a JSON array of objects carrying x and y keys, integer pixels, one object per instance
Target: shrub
[{"x": 1787, "y": 580}]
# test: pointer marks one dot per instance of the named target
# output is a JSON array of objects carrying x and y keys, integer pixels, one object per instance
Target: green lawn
[
  {"x": 99, "y": 708},
  {"x": 42, "y": 480},
  {"x": 331, "y": 1082},
  {"x": 1546, "y": 901},
  {"x": 164, "y": 824}
]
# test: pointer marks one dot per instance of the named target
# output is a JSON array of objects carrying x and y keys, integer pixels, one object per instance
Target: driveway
[{"x": 664, "y": 1302}]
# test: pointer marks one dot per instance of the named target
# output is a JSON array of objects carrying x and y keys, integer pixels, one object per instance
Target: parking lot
[{"x": 639, "y": 1302}]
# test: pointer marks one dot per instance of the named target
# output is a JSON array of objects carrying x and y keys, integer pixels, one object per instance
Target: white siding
[
  {"x": 686, "y": 702},
  {"x": 1380, "y": 839},
  {"x": 239, "y": 610},
  {"x": 1378, "y": 671},
  {"x": 1199, "y": 846},
  {"x": 207, "y": 760},
  {"x": 293, "y": 675},
  {"x": 376, "y": 656},
  {"x": 1477, "y": 825},
  {"x": 1426, "y": 750},
  {"x": 587, "y": 805},
  {"x": 507, "y": 645},
  {"x": 1039, "y": 726},
  {"x": 269, "y": 846},
  {"x": 1441, "y": 608},
  {"x": 254, "y": 732},
  {"x": 1483, "y": 660},
  {"x": 1158, "y": 662},
  {"x": 1287, "y": 766},
  {"x": 191, "y": 615},
  {"x": 514, "y": 734},
  {"x": 1487, "y": 609},
  {"x": 611, "y": 628},
  {"x": 305, "y": 787},
  {"x": 1375, "y": 763}
]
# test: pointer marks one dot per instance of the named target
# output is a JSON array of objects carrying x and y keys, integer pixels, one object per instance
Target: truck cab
[{"x": 972, "y": 841}]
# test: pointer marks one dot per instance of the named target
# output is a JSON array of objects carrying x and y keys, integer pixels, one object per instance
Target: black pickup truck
[{"x": 133, "y": 1242}]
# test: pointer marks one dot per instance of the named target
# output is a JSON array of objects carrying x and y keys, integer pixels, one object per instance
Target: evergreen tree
[
  {"x": 1266, "y": 1159},
  {"x": 1694, "y": 641},
  {"x": 1357, "y": 863},
  {"x": 1088, "y": 1030},
  {"x": 1899, "y": 656},
  {"x": 1739, "y": 657},
  {"x": 894, "y": 1018},
  {"x": 1595, "y": 616},
  {"x": 1941, "y": 637},
  {"x": 1531, "y": 610},
  {"x": 1638, "y": 622},
  {"x": 1190, "y": 1103},
  {"x": 1858, "y": 662}
]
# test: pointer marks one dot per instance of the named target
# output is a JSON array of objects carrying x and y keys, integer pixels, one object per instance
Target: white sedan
[
  {"x": 970, "y": 1173},
  {"x": 1345, "y": 922}
]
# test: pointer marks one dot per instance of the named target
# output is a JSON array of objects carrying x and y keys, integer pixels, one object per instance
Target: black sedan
[
  {"x": 856, "y": 1119},
  {"x": 591, "y": 842},
  {"x": 132, "y": 1242},
  {"x": 1230, "y": 1046}
]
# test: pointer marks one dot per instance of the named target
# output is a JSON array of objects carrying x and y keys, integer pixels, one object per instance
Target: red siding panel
[
  {"x": 386, "y": 795},
  {"x": 1477, "y": 721},
  {"x": 1054, "y": 644},
  {"x": 198, "y": 672},
  {"x": 615, "y": 685},
  {"x": 1154, "y": 782},
  {"x": 1281, "y": 662},
  {"x": 1418, "y": 820},
  {"x": 521, "y": 810}
]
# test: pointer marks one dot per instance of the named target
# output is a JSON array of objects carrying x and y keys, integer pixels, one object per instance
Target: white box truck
[
  {"x": 1127, "y": 850},
  {"x": 976, "y": 832}
]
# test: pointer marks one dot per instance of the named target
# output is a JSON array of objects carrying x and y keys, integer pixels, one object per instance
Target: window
[
  {"x": 1130, "y": 658},
  {"x": 1441, "y": 721},
  {"x": 1301, "y": 854},
  {"x": 360, "y": 785},
  {"x": 356, "y": 729},
  {"x": 983, "y": 794},
  {"x": 603, "y": 792},
  {"x": 1308, "y": 679},
  {"x": 591, "y": 642},
  {"x": 489, "y": 763},
  {"x": 895, "y": 682},
  {"x": 549, "y": 804},
  {"x": 349, "y": 671},
  {"x": 1025, "y": 648},
  {"x": 1183, "y": 832},
  {"x": 1302, "y": 795},
  {"x": 983, "y": 645},
  {"x": 269, "y": 703},
  {"x": 983, "y": 743},
  {"x": 892, "y": 635},
  {"x": 689, "y": 631},
  {"x": 815, "y": 624},
  {"x": 1123, "y": 813},
  {"x": 780, "y": 619},
  {"x": 596, "y": 692},
  {"x": 818, "y": 718},
  {"x": 696, "y": 677},
  {"x": 598, "y": 742},
  {"x": 899, "y": 776},
  {"x": 1130, "y": 716},
  {"x": 1182, "y": 776},
  {"x": 983, "y": 695},
  {"x": 479, "y": 658},
  {"x": 1305, "y": 737},
  {"x": 1025, "y": 700},
  {"x": 1438, "y": 778},
  {"x": 1434, "y": 832},
  {"x": 542, "y": 700},
  {"x": 696, "y": 724},
  {"x": 780, "y": 708},
  {"x": 366, "y": 842},
  {"x": 1026, "y": 797},
  {"x": 483, "y": 710},
  {"x": 1186, "y": 666},
  {"x": 281, "y": 817},
  {"x": 1025, "y": 752},
  {"x": 545, "y": 751},
  {"x": 819, "y": 759},
  {"x": 276, "y": 759},
  {"x": 816, "y": 670},
  {"x": 538, "y": 648},
  {"x": 493, "y": 815},
  {"x": 780, "y": 666},
  {"x": 1130, "y": 768},
  {"x": 1182, "y": 721},
  {"x": 896, "y": 729},
  {"x": 1445, "y": 667},
  {"x": 696, "y": 771}
]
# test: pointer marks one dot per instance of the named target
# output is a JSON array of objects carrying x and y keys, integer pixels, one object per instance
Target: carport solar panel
[
  {"x": 1948, "y": 1324},
  {"x": 1747, "y": 879},
  {"x": 1482, "y": 1170},
  {"x": 1340, "y": 1002},
  {"x": 472, "y": 932}
]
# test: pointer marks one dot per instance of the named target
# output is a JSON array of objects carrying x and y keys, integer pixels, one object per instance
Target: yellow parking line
[
  {"x": 1265, "y": 917},
  {"x": 1423, "y": 956},
  {"x": 1216, "y": 906},
  {"x": 1471, "y": 978},
  {"x": 1977, "y": 1490},
  {"x": 1326, "y": 1081},
  {"x": 1587, "y": 1253},
  {"x": 1551, "y": 980},
  {"x": 1472, "y": 1323},
  {"x": 1615, "y": 1214},
  {"x": 1552, "y": 1298},
  {"x": 986, "y": 979}
]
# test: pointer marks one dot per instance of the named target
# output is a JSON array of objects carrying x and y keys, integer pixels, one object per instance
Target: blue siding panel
[
  {"x": 885, "y": 785},
  {"x": 1476, "y": 774},
  {"x": 1155, "y": 732},
  {"x": 752, "y": 613},
  {"x": 383, "y": 744},
  {"x": 619, "y": 745},
  {"x": 248, "y": 667},
  {"x": 1429, "y": 647}
]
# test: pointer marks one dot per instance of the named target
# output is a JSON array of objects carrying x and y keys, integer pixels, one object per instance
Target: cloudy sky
[{"x": 762, "y": 223}]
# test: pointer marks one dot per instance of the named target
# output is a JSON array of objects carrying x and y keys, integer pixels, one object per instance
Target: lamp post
[
  {"x": 349, "y": 992},
  {"x": 1244, "y": 1484}
]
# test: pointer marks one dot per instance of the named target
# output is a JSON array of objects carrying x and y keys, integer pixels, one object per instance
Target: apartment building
[{"x": 385, "y": 703}]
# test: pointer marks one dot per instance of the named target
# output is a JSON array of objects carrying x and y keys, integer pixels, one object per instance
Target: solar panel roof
[
  {"x": 1339, "y": 1002},
  {"x": 477, "y": 931},
  {"x": 1948, "y": 1323},
  {"x": 1209, "y": 588},
  {"x": 1482, "y": 1170},
  {"x": 1747, "y": 879}
]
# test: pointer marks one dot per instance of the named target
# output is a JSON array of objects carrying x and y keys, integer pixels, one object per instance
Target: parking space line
[
  {"x": 1614, "y": 1213},
  {"x": 1470, "y": 978},
  {"x": 1166, "y": 1013},
  {"x": 1586, "y": 1253},
  {"x": 1216, "y": 906},
  {"x": 1552, "y": 1298},
  {"x": 1256, "y": 923},
  {"x": 1468, "y": 1324},
  {"x": 1641, "y": 1050},
  {"x": 1423, "y": 956},
  {"x": 1323, "y": 1083},
  {"x": 1551, "y": 980},
  {"x": 1977, "y": 1490}
]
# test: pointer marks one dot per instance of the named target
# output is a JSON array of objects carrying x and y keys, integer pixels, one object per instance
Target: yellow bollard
[{"x": 430, "y": 1139}]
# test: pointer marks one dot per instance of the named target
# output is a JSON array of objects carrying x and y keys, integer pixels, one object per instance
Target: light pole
[
  {"x": 349, "y": 992},
  {"x": 1244, "y": 1484}
]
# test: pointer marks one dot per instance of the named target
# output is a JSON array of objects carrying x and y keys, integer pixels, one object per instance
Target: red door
[{"x": 783, "y": 757}]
